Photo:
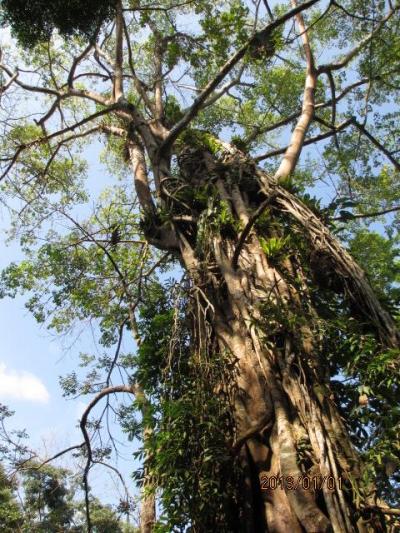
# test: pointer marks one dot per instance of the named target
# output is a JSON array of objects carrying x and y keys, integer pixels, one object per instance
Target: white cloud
[{"x": 21, "y": 385}]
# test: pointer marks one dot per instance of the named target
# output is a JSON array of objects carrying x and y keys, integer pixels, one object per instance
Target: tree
[
  {"x": 49, "y": 504},
  {"x": 10, "y": 513},
  {"x": 36, "y": 496},
  {"x": 247, "y": 372},
  {"x": 47, "y": 501}
]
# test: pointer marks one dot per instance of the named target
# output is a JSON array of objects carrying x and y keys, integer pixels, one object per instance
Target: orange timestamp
[{"x": 303, "y": 481}]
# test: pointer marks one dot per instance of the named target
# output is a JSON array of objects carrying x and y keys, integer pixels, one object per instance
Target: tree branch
[
  {"x": 321, "y": 105},
  {"x": 47, "y": 138},
  {"x": 158, "y": 83},
  {"x": 139, "y": 85},
  {"x": 142, "y": 187},
  {"x": 227, "y": 67},
  {"x": 118, "y": 70},
  {"x": 75, "y": 63},
  {"x": 350, "y": 55},
  {"x": 117, "y": 350},
  {"x": 224, "y": 89},
  {"x": 292, "y": 153},
  {"x": 376, "y": 143},
  {"x": 252, "y": 220},
  {"x": 84, "y": 419},
  {"x": 370, "y": 215},
  {"x": 4, "y": 87},
  {"x": 311, "y": 140}
]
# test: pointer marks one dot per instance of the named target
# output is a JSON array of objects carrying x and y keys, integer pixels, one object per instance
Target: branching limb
[
  {"x": 71, "y": 91},
  {"x": 139, "y": 85},
  {"x": 227, "y": 67},
  {"x": 269, "y": 11},
  {"x": 352, "y": 15},
  {"x": 361, "y": 128},
  {"x": 333, "y": 96},
  {"x": 311, "y": 140},
  {"x": 27, "y": 87},
  {"x": 292, "y": 153},
  {"x": 51, "y": 111},
  {"x": 4, "y": 87},
  {"x": 47, "y": 138},
  {"x": 370, "y": 215},
  {"x": 75, "y": 63},
  {"x": 322, "y": 105},
  {"x": 130, "y": 389},
  {"x": 333, "y": 131},
  {"x": 353, "y": 53},
  {"x": 224, "y": 89},
  {"x": 376, "y": 143}
]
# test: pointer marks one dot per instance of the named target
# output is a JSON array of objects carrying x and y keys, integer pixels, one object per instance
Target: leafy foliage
[
  {"x": 190, "y": 452},
  {"x": 33, "y": 21},
  {"x": 10, "y": 513}
]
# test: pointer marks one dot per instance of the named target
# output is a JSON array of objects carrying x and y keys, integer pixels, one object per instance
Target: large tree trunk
[{"x": 299, "y": 467}]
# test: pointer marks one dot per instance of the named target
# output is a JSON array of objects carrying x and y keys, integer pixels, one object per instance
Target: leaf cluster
[{"x": 33, "y": 21}]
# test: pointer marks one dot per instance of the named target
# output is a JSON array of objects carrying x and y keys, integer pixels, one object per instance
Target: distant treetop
[{"x": 33, "y": 21}]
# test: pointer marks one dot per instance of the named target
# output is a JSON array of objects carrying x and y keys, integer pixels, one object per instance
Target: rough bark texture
[{"x": 287, "y": 422}]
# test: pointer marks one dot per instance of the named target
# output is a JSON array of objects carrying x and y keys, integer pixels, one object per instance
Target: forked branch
[{"x": 259, "y": 36}]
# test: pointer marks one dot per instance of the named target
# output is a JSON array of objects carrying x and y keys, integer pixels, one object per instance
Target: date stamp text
[{"x": 300, "y": 482}]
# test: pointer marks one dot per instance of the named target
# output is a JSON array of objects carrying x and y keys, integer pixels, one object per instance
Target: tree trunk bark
[
  {"x": 276, "y": 409},
  {"x": 299, "y": 465},
  {"x": 300, "y": 471}
]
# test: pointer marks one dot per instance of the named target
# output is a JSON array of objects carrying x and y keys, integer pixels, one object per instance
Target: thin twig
[{"x": 372, "y": 214}]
